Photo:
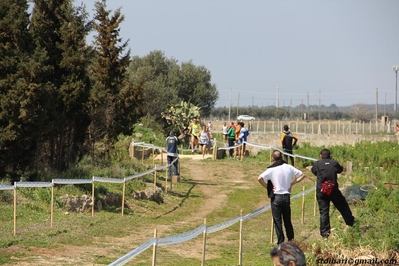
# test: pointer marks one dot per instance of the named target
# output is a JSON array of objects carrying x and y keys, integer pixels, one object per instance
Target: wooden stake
[
  {"x": 15, "y": 210},
  {"x": 123, "y": 196},
  {"x": 92, "y": 199},
  {"x": 240, "y": 244},
  {"x": 52, "y": 206},
  {"x": 203, "y": 245},
  {"x": 303, "y": 205},
  {"x": 154, "y": 249},
  {"x": 315, "y": 199},
  {"x": 272, "y": 231}
]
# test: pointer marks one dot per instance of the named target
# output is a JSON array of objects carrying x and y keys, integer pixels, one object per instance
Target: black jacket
[{"x": 326, "y": 169}]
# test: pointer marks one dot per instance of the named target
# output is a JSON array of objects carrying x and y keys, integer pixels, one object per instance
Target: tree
[
  {"x": 59, "y": 31},
  {"x": 18, "y": 97},
  {"x": 195, "y": 86},
  {"x": 107, "y": 102},
  {"x": 158, "y": 77}
]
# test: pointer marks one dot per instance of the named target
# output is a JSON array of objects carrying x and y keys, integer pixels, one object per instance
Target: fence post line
[
  {"x": 155, "y": 177},
  {"x": 161, "y": 151},
  {"x": 242, "y": 150},
  {"x": 315, "y": 198},
  {"x": 240, "y": 244},
  {"x": 142, "y": 155},
  {"x": 166, "y": 178},
  {"x": 15, "y": 209},
  {"x": 154, "y": 249},
  {"x": 204, "y": 244},
  {"x": 123, "y": 196},
  {"x": 52, "y": 205},
  {"x": 153, "y": 157},
  {"x": 303, "y": 205},
  {"x": 92, "y": 198}
]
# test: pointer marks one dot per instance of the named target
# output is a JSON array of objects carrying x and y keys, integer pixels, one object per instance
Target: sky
[{"x": 269, "y": 52}]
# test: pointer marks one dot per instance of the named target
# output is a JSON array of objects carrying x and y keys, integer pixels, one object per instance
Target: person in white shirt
[{"x": 282, "y": 176}]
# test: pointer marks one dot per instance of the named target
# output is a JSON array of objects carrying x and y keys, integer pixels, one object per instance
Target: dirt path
[{"x": 213, "y": 185}]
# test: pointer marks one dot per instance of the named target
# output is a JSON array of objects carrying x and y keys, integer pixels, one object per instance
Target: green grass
[{"x": 376, "y": 231}]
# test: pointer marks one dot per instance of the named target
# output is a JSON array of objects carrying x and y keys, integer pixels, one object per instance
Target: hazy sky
[{"x": 344, "y": 49}]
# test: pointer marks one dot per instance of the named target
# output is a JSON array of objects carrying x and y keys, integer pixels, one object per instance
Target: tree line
[
  {"x": 62, "y": 99},
  {"x": 356, "y": 112}
]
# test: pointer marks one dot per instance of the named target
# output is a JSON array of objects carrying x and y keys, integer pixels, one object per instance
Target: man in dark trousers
[
  {"x": 327, "y": 169},
  {"x": 282, "y": 176},
  {"x": 288, "y": 141},
  {"x": 172, "y": 153}
]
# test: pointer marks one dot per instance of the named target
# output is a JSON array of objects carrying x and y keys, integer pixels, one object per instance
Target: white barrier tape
[
  {"x": 223, "y": 225},
  {"x": 72, "y": 181},
  {"x": 256, "y": 212},
  {"x": 160, "y": 167},
  {"x": 33, "y": 184},
  {"x": 6, "y": 187},
  {"x": 171, "y": 240},
  {"x": 108, "y": 180},
  {"x": 303, "y": 193},
  {"x": 123, "y": 260},
  {"x": 304, "y": 157},
  {"x": 139, "y": 174}
]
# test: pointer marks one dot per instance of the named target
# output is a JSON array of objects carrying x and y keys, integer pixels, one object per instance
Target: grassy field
[{"x": 215, "y": 190}]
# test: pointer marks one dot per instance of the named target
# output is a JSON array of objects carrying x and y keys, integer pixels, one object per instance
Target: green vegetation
[{"x": 373, "y": 234}]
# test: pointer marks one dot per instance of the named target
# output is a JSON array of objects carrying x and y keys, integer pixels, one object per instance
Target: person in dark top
[
  {"x": 172, "y": 153},
  {"x": 327, "y": 169},
  {"x": 288, "y": 141}
]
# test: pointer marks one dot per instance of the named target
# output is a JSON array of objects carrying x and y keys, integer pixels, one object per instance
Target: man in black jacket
[{"x": 327, "y": 169}]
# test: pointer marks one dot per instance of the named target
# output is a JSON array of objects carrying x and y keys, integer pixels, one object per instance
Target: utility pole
[
  {"x": 319, "y": 103},
  {"x": 376, "y": 105},
  {"x": 277, "y": 100},
  {"x": 230, "y": 107},
  {"x": 238, "y": 103},
  {"x": 396, "y": 69}
]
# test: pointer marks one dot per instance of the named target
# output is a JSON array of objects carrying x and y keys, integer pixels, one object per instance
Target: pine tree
[
  {"x": 59, "y": 32},
  {"x": 109, "y": 91}
]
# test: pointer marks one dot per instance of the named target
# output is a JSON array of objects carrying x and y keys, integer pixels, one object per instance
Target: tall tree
[
  {"x": 19, "y": 114},
  {"x": 59, "y": 30},
  {"x": 107, "y": 100},
  {"x": 196, "y": 87},
  {"x": 153, "y": 71}
]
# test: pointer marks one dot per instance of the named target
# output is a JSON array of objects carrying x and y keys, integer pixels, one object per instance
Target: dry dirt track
[{"x": 214, "y": 194}]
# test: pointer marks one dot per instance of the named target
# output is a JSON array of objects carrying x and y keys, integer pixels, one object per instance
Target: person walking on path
[
  {"x": 281, "y": 176},
  {"x": 194, "y": 130},
  {"x": 204, "y": 140},
  {"x": 288, "y": 141},
  {"x": 172, "y": 153},
  {"x": 327, "y": 169}
]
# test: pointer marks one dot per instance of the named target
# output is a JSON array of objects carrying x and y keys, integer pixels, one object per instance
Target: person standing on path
[
  {"x": 328, "y": 169},
  {"x": 172, "y": 153},
  {"x": 288, "y": 141},
  {"x": 204, "y": 140},
  {"x": 224, "y": 132},
  {"x": 231, "y": 137},
  {"x": 281, "y": 176}
]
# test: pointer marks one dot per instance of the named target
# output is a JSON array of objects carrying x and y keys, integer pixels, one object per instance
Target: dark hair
[
  {"x": 286, "y": 127},
  {"x": 277, "y": 155},
  {"x": 242, "y": 124},
  {"x": 325, "y": 154},
  {"x": 287, "y": 252}
]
